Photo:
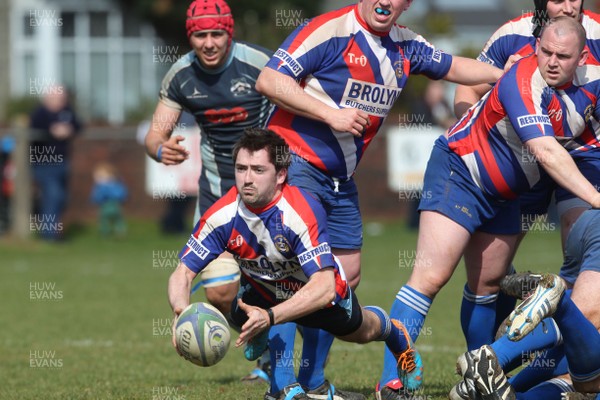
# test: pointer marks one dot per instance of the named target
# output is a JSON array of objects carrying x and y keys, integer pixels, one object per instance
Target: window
[
  {"x": 98, "y": 24},
  {"x": 32, "y": 83},
  {"x": 99, "y": 89},
  {"x": 68, "y": 72},
  {"x": 28, "y": 22},
  {"x": 68, "y": 24},
  {"x": 108, "y": 84},
  {"x": 131, "y": 26},
  {"x": 131, "y": 74}
]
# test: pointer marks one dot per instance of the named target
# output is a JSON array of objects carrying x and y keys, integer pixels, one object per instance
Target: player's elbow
[
  {"x": 324, "y": 297},
  {"x": 271, "y": 83},
  {"x": 328, "y": 294},
  {"x": 463, "y": 100},
  {"x": 261, "y": 84},
  {"x": 148, "y": 140},
  {"x": 329, "y": 297}
]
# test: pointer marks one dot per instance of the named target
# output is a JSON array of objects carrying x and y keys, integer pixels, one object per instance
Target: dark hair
[
  {"x": 255, "y": 139},
  {"x": 540, "y": 16}
]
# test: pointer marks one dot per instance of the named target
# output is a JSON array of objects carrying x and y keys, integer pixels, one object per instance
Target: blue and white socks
[
  {"x": 478, "y": 318},
  {"x": 410, "y": 307}
]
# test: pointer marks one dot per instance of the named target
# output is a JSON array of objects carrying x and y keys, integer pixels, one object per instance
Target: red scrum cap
[{"x": 205, "y": 15}]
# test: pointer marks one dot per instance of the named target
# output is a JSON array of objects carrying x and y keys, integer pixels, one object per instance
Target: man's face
[
  {"x": 558, "y": 57},
  {"x": 389, "y": 12},
  {"x": 566, "y": 8},
  {"x": 210, "y": 47},
  {"x": 256, "y": 179}
]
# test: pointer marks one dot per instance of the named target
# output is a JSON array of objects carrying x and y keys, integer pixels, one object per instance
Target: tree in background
[{"x": 258, "y": 21}]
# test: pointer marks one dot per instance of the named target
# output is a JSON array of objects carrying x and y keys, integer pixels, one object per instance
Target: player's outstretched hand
[
  {"x": 349, "y": 120},
  {"x": 511, "y": 61},
  {"x": 174, "y": 337},
  {"x": 258, "y": 320},
  {"x": 172, "y": 152}
]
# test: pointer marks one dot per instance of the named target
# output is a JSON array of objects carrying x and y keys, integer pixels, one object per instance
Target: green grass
[{"x": 103, "y": 333}]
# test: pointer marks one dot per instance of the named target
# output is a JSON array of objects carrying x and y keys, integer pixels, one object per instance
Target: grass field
[{"x": 89, "y": 319}]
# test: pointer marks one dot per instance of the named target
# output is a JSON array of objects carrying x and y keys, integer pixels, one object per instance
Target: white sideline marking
[
  {"x": 89, "y": 343},
  {"x": 424, "y": 348}
]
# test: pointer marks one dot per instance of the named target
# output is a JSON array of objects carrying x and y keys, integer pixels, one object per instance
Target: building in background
[{"x": 110, "y": 60}]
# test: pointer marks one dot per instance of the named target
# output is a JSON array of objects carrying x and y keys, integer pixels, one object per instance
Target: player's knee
[
  {"x": 222, "y": 296},
  {"x": 354, "y": 281},
  {"x": 221, "y": 281},
  {"x": 428, "y": 284},
  {"x": 366, "y": 333},
  {"x": 592, "y": 386},
  {"x": 568, "y": 218},
  {"x": 482, "y": 286}
]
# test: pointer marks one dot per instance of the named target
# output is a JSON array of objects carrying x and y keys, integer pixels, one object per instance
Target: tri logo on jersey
[
  {"x": 236, "y": 242},
  {"x": 360, "y": 60}
]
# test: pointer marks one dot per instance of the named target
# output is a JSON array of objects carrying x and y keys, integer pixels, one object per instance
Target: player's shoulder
[
  {"x": 180, "y": 67},
  {"x": 223, "y": 210},
  {"x": 331, "y": 25},
  {"x": 296, "y": 192},
  {"x": 590, "y": 17},
  {"x": 522, "y": 77},
  {"x": 322, "y": 19},
  {"x": 409, "y": 40},
  {"x": 252, "y": 55},
  {"x": 400, "y": 33},
  {"x": 525, "y": 65},
  {"x": 183, "y": 62},
  {"x": 522, "y": 26},
  {"x": 591, "y": 23},
  {"x": 243, "y": 49},
  {"x": 301, "y": 201}
]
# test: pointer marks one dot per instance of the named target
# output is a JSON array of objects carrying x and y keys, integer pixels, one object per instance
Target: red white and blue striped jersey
[
  {"x": 338, "y": 59},
  {"x": 516, "y": 37},
  {"x": 277, "y": 247},
  {"x": 490, "y": 137}
]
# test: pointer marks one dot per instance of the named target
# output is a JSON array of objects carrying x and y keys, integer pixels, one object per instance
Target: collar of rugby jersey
[
  {"x": 265, "y": 208},
  {"x": 364, "y": 24}
]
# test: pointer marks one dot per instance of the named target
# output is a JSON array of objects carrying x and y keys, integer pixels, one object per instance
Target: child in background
[{"x": 109, "y": 193}]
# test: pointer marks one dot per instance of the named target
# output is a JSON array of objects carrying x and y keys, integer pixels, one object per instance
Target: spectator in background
[
  {"x": 433, "y": 110},
  {"x": 437, "y": 109},
  {"x": 7, "y": 177},
  {"x": 109, "y": 193},
  {"x": 54, "y": 124}
]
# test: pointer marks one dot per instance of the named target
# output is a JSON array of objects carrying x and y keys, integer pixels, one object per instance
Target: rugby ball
[{"x": 202, "y": 334}]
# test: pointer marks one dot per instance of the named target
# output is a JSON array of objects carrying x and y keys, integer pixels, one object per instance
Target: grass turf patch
[{"x": 89, "y": 319}]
